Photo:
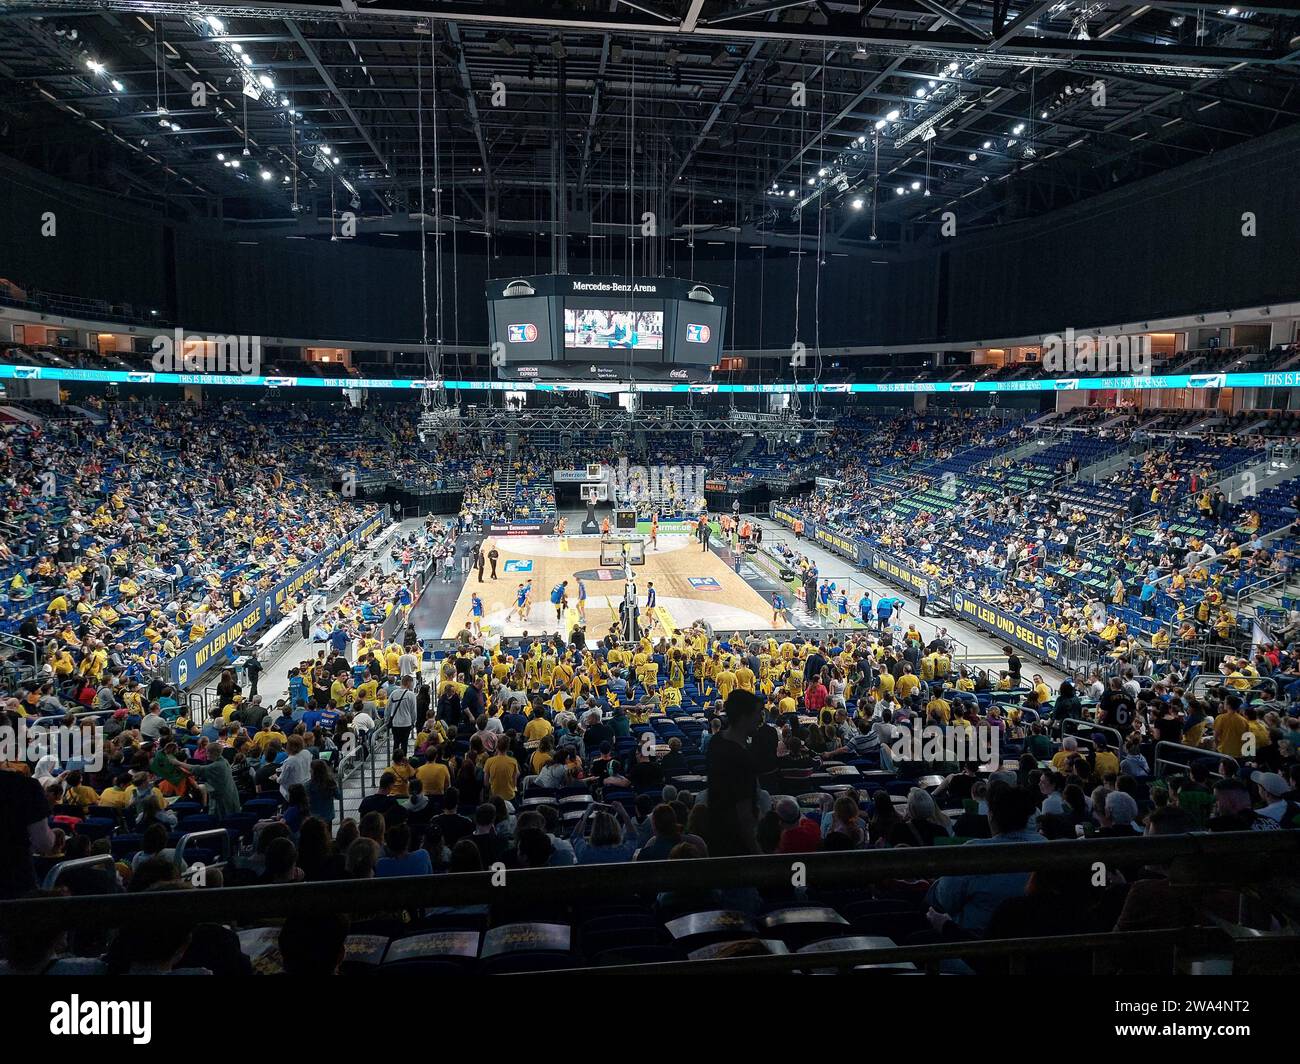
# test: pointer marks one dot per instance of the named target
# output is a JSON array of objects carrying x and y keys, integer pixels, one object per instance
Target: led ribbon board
[{"x": 1290, "y": 379}]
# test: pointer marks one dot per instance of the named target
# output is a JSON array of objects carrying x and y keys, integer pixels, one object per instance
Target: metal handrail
[
  {"x": 194, "y": 836},
  {"x": 1230, "y": 856},
  {"x": 1117, "y": 745},
  {"x": 1194, "y": 750},
  {"x": 53, "y": 876}
]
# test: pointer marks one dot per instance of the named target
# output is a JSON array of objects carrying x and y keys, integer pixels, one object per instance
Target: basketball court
[{"x": 690, "y": 585}]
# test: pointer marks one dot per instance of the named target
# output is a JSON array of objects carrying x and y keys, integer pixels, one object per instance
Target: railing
[
  {"x": 102, "y": 860},
  {"x": 1092, "y": 726},
  {"x": 1244, "y": 860},
  {"x": 1197, "y": 755},
  {"x": 196, "y": 838}
]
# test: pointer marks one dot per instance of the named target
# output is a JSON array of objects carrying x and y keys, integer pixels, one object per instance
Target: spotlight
[
  {"x": 972, "y": 157},
  {"x": 117, "y": 85},
  {"x": 900, "y": 190},
  {"x": 857, "y": 204},
  {"x": 266, "y": 81},
  {"x": 987, "y": 145},
  {"x": 915, "y": 185},
  {"x": 216, "y": 24},
  {"x": 892, "y": 116},
  {"x": 95, "y": 65},
  {"x": 221, "y": 156},
  {"x": 267, "y": 175}
]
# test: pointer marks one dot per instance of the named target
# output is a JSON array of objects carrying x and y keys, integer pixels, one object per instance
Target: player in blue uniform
[
  {"x": 582, "y": 601},
  {"x": 476, "y": 613},
  {"x": 778, "y": 607}
]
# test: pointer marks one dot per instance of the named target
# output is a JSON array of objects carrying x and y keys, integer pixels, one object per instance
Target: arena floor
[{"x": 690, "y": 584}]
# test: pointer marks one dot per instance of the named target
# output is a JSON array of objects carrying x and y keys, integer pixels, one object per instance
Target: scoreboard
[{"x": 562, "y": 325}]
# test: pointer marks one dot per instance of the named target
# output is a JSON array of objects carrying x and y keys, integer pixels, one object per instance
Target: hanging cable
[{"x": 425, "y": 397}]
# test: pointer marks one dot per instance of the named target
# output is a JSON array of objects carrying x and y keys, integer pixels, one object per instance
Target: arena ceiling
[{"x": 766, "y": 117}]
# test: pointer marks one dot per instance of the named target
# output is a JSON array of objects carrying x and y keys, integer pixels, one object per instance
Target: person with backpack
[{"x": 401, "y": 715}]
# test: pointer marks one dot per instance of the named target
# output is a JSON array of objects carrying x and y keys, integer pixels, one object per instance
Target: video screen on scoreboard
[
  {"x": 523, "y": 326},
  {"x": 595, "y": 329}
]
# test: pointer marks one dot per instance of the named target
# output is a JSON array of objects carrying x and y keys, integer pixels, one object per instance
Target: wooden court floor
[{"x": 690, "y": 584}]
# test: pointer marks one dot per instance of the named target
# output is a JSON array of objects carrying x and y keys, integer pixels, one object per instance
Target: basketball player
[
  {"x": 650, "y": 597},
  {"x": 560, "y": 598},
  {"x": 778, "y": 607},
  {"x": 582, "y": 602},
  {"x": 654, "y": 531},
  {"x": 476, "y": 613},
  {"x": 521, "y": 596},
  {"x": 843, "y": 609}
]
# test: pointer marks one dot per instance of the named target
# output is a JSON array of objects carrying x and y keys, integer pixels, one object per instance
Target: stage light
[
  {"x": 862, "y": 139},
  {"x": 267, "y": 175},
  {"x": 117, "y": 85},
  {"x": 812, "y": 181},
  {"x": 972, "y": 157},
  {"x": 791, "y": 192},
  {"x": 900, "y": 190},
  {"x": 248, "y": 59},
  {"x": 336, "y": 160},
  {"x": 238, "y": 48},
  {"x": 1020, "y": 128},
  {"x": 216, "y": 24},
  {"x": 920, "y": 94},
  {"x": 857, "y": 204},
  {"x": 915, "y": 185},
  {"x": 892, "y": 116},
  {"x": 880, "y": 125},
  {"x": 221, "y": 156},
  {"x": 284, "y": 101},
  {"x": 95, "y": 65},
  {"x": 234, "y": 163},
  {"x": 987, "y": 145},
  {"x": 821, "y": 172},
  {"x": 266, "y": 81}
]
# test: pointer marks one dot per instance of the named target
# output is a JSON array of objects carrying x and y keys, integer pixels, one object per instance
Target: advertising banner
[{"x": 269, "y": 606}]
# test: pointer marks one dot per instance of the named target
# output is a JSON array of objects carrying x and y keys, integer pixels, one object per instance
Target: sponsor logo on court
[
  {"x": 704, "y": 583},
  {"x": 518, "y": 565}
]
